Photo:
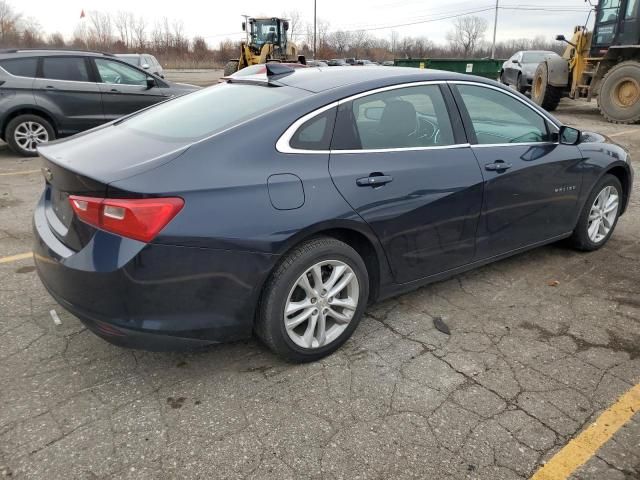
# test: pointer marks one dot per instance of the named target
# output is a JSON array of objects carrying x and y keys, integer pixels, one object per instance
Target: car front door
[
  {"x": 513, "y": 68},
  {"x": 66, "y": 89},
  {"x": 402, "y": 162},
  {"x": 531, "y": 181},
  {"x": 124, "y": 88}
]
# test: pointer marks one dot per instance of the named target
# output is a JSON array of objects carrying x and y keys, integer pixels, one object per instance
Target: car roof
[
  {"x": 321, "y": 79},
  {"x": 45, "y": 52}
]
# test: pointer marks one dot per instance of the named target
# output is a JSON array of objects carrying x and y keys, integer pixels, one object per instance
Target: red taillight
[{"x": 140, "y": 219}]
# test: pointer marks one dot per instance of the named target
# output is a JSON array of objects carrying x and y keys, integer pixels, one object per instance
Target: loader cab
[
  {"x": 617, "y": 22},
  {"x": 268, "y": 30}
]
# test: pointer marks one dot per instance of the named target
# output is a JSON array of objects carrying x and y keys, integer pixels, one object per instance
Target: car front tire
[
  {"x": 599, "y": 215},
  {"x": 25, "y": 132},
  {"x": 314, "y": 300}
]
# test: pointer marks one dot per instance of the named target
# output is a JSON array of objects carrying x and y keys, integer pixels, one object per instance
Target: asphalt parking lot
[{"x": 540, "y": 345}]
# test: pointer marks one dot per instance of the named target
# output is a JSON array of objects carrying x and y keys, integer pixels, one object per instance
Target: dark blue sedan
[{"x": 283, "y": 203}]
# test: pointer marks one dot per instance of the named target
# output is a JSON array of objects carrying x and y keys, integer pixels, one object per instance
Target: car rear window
[
  {"x": 21, "y": 67},
  {"x": 208, "y": 111}
]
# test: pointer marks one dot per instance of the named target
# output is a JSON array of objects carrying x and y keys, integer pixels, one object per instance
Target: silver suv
[{"x": 145, "y": 61}]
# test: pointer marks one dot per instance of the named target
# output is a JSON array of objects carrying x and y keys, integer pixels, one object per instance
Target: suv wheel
[{"x": 25, "y": 132}]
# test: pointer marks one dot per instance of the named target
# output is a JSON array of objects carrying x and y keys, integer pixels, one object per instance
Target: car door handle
[
  {"x": 374, "y": 180},
  {"x": 498, "y": 165}
]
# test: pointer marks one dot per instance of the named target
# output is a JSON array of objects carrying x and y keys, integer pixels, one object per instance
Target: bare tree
[
  {"x": 9, "y": 19},
  {"x": 31, "y": 32},
  {"x": 56, "y": 40},
  {"x": 359, "y": 41},
  {"x": 467, "y": 33},
  {"x": 341, "y": 41},
  {"x": 101, "y": 29},
  {"x": 139, "y": 32},
  {"x": 124, "y": 22},
  {"x": 294, "y": 23}
]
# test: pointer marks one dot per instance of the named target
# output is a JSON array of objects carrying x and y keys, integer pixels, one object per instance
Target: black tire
[
  {"x": 521, "y": 88},
  {"x": 270, "y": 325},
  {"x": 10, "y": 131},
  {"x": 231, "y": 67},
  {"x": 545, "y": 95},
  {"x": 580, "y": 238},
  {"x": 611, "y": 100},
  {"x": 501, "y": 78}
]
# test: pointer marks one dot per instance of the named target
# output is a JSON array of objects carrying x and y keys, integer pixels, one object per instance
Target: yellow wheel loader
[
  {"x": 603, "y": 64},
  {"x": 267, "y": 42}
]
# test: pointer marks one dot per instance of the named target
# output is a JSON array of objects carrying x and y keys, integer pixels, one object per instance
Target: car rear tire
[
  {"x": 599, "y": 215},
  {"x": 545, "y": 95},
  {"x": 24, "y": 132},
  {"x": 619, "y": 96},
  {"x": 313, "y": 301}
]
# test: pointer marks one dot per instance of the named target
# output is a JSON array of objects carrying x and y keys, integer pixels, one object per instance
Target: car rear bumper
[{"x": 149, "y": 296}]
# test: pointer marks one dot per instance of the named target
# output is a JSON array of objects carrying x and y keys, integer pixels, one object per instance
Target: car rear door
[
  {"x": 402, "y": 162},
  {"x": 531, "y": 182},
  {"x": 66, "y": 88},
  {"x": 124, "y": 88}
]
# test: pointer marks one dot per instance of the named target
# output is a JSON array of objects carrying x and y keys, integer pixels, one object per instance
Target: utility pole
[
  {"x": 315, "y": 28},
  {"x": 495, "y": 27}
]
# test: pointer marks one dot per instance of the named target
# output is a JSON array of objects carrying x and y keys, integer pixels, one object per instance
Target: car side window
[
  {"x": 72, "y": 69},
  {"x": 499, "y": 118},
  {"x": 315, "y": 133},
  {"x": 409, "y": 117},
  {"x": 21, "y": 67},
  {"x": 118, "y": 73}
]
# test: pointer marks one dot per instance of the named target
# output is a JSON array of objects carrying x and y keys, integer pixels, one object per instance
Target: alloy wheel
[
  {"x": 603, "y": 214},
  {"x": 321, "y": 304},
  {"x": 29, "y": 134}
]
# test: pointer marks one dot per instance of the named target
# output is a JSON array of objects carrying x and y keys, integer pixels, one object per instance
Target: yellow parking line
[
  {"x": 15, "y": 258},
  {"x": 24, "y": 172},
  {"x": 579, "y": 450}
]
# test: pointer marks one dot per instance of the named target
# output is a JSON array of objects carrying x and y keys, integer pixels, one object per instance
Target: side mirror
[
  {"x": 560, "y": 38},
  {"x": 286, "y": 26},
  {"x": 145, "y": 66},
  {"x": 244, "y": 26},
  {"x": 151, "y": 82},
  {"x": 569, "y": 135}
]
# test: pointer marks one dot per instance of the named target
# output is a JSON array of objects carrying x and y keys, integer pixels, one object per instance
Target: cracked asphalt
[{"x": 540, "y": 344}]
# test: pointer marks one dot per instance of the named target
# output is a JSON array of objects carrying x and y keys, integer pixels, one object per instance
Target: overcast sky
[{"x": 216, "y": 20}]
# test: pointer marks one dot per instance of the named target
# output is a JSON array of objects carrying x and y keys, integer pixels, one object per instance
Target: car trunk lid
[{"x": 85, "y": 165}]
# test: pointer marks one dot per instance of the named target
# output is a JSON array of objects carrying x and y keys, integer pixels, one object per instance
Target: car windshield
[
  {"x": 534, "y": 57},
  {"x": 208, "y": 111}
]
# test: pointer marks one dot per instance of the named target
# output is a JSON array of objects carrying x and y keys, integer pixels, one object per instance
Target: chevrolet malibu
[{"x": 282, "y": 204}]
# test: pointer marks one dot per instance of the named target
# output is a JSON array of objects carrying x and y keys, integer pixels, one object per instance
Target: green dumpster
[{"x": 488, "y": 68}]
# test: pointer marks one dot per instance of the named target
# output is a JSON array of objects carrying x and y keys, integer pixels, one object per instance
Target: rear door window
[
  {"x": 409, "y": 117},
  {"x": 21, "y": 67},
  {"x": 72, "y": 69}
]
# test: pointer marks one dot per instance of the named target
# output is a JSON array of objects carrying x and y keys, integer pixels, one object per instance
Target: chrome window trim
[{"x": 283, "y": 146}]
